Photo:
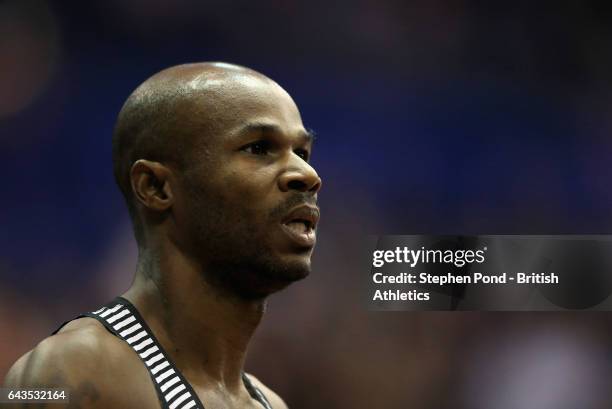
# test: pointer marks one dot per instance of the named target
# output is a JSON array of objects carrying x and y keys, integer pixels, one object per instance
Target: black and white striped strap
[
  {"x": 255, "y": 392},
  {"x": 123, "y": 320}
]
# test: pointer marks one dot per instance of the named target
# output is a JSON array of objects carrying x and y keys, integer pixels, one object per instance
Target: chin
[
  {"x": 257, "y": 279},
  {"x": 289, "y": 269},
  {"x": 277, "y": 274}
]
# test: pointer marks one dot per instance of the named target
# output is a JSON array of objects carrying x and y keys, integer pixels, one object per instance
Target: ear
[{"x": 151, "y": 184}]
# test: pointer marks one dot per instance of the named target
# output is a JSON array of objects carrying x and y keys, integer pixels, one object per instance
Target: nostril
[
  {"x": 316, "y": 187},
  {"x": 296, "y": 185}
]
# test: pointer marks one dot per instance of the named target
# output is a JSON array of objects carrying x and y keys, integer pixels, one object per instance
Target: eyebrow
[{"x": 308, "y": 135}]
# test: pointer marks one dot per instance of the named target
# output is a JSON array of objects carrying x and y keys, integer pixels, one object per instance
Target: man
[{"x": 212, "y": 159}]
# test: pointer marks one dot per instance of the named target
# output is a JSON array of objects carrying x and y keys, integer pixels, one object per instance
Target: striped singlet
[{"x": 122, "y": 319}]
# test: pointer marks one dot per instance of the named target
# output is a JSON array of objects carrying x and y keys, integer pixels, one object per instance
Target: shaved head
[
  {"x": 170, "y": 117},
  {"x": 213, "y": 161}
]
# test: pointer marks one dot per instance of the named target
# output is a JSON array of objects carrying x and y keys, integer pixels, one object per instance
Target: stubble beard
[{"x": 234, "y": 252}]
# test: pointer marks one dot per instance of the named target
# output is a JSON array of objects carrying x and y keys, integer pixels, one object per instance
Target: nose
[{"x": 300, "y": 176}]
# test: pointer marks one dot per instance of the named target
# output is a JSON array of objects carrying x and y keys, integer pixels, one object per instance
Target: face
[{"x": 247, "y": 204}]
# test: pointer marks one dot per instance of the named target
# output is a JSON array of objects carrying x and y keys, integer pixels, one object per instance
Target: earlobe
[{"x": 151, "y": 184}]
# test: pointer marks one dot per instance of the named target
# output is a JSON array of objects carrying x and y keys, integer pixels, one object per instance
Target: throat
[{"x": 205, "y": 332}]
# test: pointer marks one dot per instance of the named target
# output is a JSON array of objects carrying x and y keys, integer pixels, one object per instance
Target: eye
[
  {"x": 257, "y": 148},
  {"x": 302, "y": 153}
]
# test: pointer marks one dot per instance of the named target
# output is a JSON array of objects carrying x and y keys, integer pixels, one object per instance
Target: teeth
[{"x": 298, "y": 226}]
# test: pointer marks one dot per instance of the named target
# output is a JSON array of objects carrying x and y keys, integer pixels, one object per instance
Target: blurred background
[{"x": 432, "y": 117}]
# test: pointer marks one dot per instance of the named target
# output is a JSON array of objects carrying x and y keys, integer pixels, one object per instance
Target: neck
[{"x": 206, "y": 330}]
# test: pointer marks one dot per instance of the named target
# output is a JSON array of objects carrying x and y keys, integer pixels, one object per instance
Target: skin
[{"x": 212, "y": 248}]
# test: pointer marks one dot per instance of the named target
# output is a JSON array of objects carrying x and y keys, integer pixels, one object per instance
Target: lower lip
[{"x": 306, "y": 239}]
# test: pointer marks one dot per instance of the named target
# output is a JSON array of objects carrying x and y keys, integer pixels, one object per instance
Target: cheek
[
  {"x": 254, "y": 187},
  {"x": 233, "y": 198}
]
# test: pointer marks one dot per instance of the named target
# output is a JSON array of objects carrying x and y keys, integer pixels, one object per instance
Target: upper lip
[{"x": 306, "y": 213}]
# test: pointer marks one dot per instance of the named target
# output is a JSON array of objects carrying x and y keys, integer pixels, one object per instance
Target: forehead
[{"x": 231, "y": 103}]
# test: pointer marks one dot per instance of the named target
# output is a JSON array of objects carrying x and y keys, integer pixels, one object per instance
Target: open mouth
[{"x": 300, "y": 225}]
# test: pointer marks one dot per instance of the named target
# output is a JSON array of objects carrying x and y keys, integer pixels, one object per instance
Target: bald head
[{"x": 170, "y": 117}]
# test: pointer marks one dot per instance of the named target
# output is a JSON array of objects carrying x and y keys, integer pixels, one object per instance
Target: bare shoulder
[
  {"x": 57, "y": 358},
  {"x": 273, "y": 398},
  {"x": 85, "y": 359}
]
